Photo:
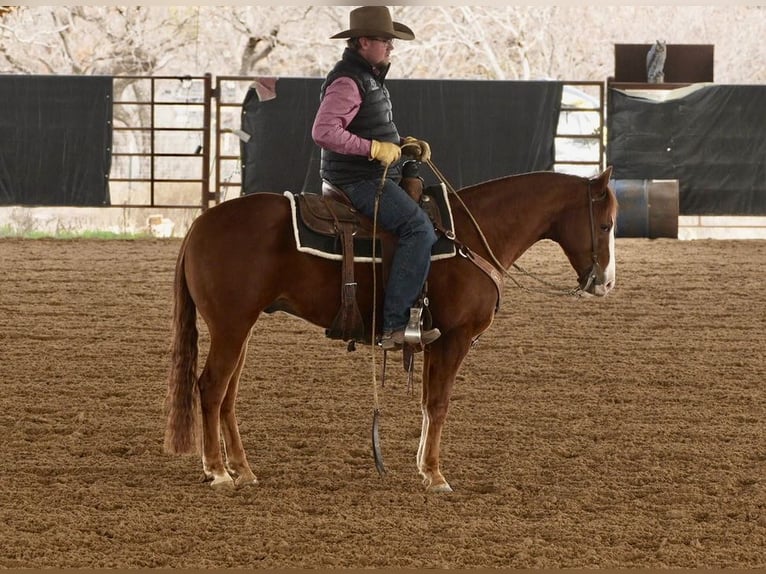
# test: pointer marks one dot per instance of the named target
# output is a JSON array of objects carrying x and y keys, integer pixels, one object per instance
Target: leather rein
[{"x": 496, "y": 271}]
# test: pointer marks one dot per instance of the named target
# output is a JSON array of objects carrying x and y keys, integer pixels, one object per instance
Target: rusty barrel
[{"x": 648, "y": 207}]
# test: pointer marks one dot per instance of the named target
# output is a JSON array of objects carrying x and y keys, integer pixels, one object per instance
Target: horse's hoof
[
  {"x": 244, "y": 482},
  {"x": 435, "y": 482},
  {"x": 439, "y": 488},
  {"x": 222, "y": 482}
]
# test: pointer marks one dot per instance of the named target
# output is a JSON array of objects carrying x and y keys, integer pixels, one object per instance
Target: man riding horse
[
  {"x": 240, "y": 259},
  {"x": 361, "y": 153}
]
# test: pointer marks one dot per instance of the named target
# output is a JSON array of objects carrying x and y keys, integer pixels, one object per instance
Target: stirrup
[{"x": 412, "y": 332}]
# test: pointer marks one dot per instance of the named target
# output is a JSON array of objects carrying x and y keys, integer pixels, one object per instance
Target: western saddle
[{"x": 333, "y": 214}]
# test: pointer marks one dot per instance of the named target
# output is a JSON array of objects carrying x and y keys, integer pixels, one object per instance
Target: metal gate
[
  {"x": 177, "y": 139},
  {"x": 162, "y": 153}
]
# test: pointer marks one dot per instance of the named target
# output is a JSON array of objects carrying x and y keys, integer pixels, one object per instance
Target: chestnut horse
[{"x": 239, "y": 259}]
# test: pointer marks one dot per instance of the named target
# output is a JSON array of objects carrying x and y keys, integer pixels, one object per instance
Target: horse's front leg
[{"x": 441, "y": 362}]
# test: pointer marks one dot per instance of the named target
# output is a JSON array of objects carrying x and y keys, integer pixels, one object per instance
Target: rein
[
  {"x": 593, "y": 273},
  {"x": 377, "y": 455},
  {"x": 498, "y": 267}
]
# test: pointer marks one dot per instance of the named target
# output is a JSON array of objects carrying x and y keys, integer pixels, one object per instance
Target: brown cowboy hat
[{"x": 374, "y": 21}]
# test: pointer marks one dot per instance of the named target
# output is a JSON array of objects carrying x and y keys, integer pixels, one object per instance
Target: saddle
[{"x": 332, "y": 214}]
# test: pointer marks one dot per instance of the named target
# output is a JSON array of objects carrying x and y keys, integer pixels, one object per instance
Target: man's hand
[
  {"x": 416, "y": 148},
  {"x": 385, "y": 152}
]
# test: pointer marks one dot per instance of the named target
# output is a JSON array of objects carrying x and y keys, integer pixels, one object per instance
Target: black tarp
[
  {"x": 712, "y": 140},
  {"x": 477, "y": 130},
  {"x": 55, "y": 140}
]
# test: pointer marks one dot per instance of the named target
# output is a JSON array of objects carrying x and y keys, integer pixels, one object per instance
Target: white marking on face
[{"x": 610, "y": 273}]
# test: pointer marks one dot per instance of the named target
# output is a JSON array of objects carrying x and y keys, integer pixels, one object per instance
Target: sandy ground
[{"x": 625, "y": 432}]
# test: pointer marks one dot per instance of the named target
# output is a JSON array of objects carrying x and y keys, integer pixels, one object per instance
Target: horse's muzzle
[{"x": 595, "y": 282}]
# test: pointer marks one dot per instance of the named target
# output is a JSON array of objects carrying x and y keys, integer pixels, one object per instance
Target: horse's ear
[{"x": 602, "y": 180}]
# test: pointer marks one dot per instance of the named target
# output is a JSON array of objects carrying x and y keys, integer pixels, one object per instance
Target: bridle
[
  {"x": 495, "y": 269},
  {"x": 594, "y": 276}
]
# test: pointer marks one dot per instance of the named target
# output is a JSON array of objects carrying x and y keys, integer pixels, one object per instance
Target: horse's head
[{"x": 587, "y": 235}]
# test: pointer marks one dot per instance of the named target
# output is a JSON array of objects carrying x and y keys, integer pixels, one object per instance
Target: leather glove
[
  {"x": 385, "y": 152},
  {"x": 416, "y": 148}
]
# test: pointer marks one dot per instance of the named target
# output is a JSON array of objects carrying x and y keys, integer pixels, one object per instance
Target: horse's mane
[
  {"x": 523, "y": 187},
  {"x": 512, "y": 182}
]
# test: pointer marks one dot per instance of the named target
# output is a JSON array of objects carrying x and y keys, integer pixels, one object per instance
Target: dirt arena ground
[{"x": 625, "y": 432}]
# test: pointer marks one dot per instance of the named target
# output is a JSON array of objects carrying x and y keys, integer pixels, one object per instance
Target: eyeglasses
[{"x": 388, "y": 41}]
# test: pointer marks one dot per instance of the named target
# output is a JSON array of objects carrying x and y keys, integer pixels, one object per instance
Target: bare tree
[
  {"x": 270, "y": 40},
  {"x": 499, "y": 42},
  {"x": 90, "y": 39}
]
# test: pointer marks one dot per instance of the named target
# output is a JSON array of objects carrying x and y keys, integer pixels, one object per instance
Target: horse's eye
[{"x": 606, "y": 227}]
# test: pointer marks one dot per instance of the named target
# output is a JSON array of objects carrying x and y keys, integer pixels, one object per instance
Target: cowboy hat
[{"x": 374, "y": 21}]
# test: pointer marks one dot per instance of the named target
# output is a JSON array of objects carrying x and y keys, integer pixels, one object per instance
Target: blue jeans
[{"x": 400, "y": 215}]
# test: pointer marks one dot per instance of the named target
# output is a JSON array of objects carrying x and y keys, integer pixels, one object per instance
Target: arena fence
[{"x": 177, "y": 139}]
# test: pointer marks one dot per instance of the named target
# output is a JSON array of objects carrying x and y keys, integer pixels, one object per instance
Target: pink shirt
[{"x": 339, "y": 106}]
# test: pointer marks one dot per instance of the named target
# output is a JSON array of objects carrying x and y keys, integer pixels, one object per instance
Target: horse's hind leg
[
  {"x": 223, "y": 361},
  {"x": 236, "y": 460}
]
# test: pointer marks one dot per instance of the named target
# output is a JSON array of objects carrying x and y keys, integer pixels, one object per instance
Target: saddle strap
[
  {"x": 348, "y": 323},
  {"x": 490, "y": 270}
]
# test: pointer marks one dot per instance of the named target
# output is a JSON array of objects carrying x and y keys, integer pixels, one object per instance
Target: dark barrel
[{"x": 648, "y": 207}]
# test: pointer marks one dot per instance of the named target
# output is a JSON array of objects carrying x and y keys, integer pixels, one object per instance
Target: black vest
[{"x": 373, "y": 121}]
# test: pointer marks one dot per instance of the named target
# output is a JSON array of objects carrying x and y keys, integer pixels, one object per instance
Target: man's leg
[{"x": 399, "y": 214}]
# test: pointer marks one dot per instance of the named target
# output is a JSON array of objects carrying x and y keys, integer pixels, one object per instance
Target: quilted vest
[{"x": 373, "y": 121}]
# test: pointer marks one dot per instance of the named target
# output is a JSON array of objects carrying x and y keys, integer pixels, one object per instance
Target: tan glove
[
  {"x": 385, "y": 152},
  {"x": 416, "y": 148}
]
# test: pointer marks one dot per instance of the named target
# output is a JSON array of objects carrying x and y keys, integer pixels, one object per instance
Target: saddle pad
[{"x": 329, "y": 247}]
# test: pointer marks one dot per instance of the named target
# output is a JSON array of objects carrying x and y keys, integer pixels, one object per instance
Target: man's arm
[{"x": 338, "y": 108}]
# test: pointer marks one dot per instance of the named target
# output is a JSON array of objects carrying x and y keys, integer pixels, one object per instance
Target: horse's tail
[{"x": 182, "y": 400}]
